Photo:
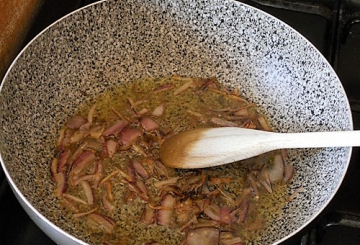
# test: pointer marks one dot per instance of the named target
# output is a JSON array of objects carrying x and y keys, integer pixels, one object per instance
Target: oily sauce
[{"x": 185, "y": 103}]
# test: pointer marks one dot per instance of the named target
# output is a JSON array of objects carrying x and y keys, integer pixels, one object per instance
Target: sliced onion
[
  {"x": 163, "y": 88},
  {"x": 79, "y": 150},
  {"x": 148, "y": 215},
  {"x": 140, "y": 169},
  {"x": 78, "y": 215},
  {"x": 83, "y": 178},
  {"x": 206, "y": 223},
  {"x": 139, "y": 150},
  {"x": 205, "y": 235},
  {"x": 253, "y": 184},
  {"x": 149, "y": 163},
  {"x": 60, "y": 184},
  {"x": 106, "y": 204},
  {"x": 117, "y": 171},
  {"x": 170, "y": 181},
  {"x": 164, "y": 215},
  {"x": 133, "y": 106},
  {"x": 148, "y": 124},
  {"x": 102, "y": 222},
  {"x": 74, "y": 198},
  {"x": 264, "y": 180},
  {"x": 82, "y": 161},
  {"x": 213, "y": 212},
  {"x": 143, "y": 189},
  {"x": 54, "y": 168},
  {"x": 203, "y": 83},
  {"x": 91, "y": 114},
  {"x": 248, "y": 124},
  {"x": 159, "y": 110},
  {"x": 170, "y": 189},
  {"x": 266, "y": 186},
  {"x": 61, "y": 137},
  {"x": 223, "y": 123},
  {"x": 143, "y": 111},
  {"x": 242, "y": 112},
  {"x": 184, "y": 87},
  {"x": 243, "y": 211},
  {"x": 88, "y": 192},
  {"x": 289, "y": 173},
  {"x": 199, "y": 116},
  {"x": 276, "y": 171},
  {"x": 117, "y": 113},
  {"x": 131, "y": 171},
  {"x": 98, "y": 175},
  {"x": 225, "y": 215},
  {"x": 138, "y": 191},
  {"x": 66, "y": 139},
  {"x": 139, "y": 102},
  {"x": 284, "y": 154},
  {"x": 127, "y": 137},
  {"x": 264, "y": 124},
  {"x": 109, "y": 191},
  {"x": 111, "y": 146},
  {"x": 63, "y": 160},
  {"x": 126, "y": 177},
  {"x": 115, "y": 128}
]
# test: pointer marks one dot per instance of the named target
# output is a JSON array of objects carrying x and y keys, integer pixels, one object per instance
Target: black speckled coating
[{"x": 114, "y": 42}]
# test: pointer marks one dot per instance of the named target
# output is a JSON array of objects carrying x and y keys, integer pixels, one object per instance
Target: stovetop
[{"x": 333, "y": 26}]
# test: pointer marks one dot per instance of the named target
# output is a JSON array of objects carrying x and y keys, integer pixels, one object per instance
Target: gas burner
[
  {"x": 323, "y": 8},
  {"x": 335, "y": 228}
]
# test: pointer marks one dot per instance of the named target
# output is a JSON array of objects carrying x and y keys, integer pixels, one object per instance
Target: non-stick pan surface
[{"x": 114, "y": 42}]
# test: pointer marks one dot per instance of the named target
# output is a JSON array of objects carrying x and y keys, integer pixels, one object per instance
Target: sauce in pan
[{"x": 107, "y": 170}]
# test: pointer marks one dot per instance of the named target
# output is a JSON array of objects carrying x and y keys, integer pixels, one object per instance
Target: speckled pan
[{"x": 115, "y": 42}]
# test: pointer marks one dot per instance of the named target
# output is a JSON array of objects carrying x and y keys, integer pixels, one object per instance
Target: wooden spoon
[{"x": 208, "y": 147}]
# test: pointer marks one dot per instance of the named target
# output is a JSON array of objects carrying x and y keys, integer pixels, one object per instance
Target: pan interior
[{"x": 115, "y": 42}]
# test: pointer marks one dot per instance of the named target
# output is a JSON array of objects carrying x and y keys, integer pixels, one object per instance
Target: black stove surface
[{"x": 333, "y": 26}]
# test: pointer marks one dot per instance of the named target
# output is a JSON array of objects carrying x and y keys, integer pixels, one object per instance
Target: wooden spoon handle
[
  {"x": 317, "y": 139},
  {"x": 216, "y": 146}
]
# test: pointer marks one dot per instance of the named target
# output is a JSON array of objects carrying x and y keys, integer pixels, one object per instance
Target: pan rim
[{"x": 316, "y": 214}]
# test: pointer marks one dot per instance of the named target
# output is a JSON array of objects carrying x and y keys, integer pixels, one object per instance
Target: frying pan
[{"x": 113, "y": 42}]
